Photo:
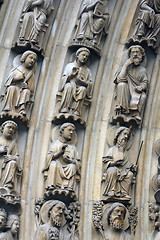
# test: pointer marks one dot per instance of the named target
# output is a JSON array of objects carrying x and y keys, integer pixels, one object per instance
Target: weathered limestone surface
[{"x": 94, "y": 140}]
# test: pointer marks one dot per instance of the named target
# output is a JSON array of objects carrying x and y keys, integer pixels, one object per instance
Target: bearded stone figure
[
  {"x": 131, "y": 87},
  {"x": 63, "y": 164},
  {"x": 148, "y": 23},
  {"x": 10, "y": 169},
  {"x": 52, "y": 214},
  {"x": 76, "y": 84},
  {"x": 93, "y": 22},
  {"x": 119, "y": 173},
  {"x": 115, "y": 219},
  {"x": 12, "y": 227},
  {"x": 19, "y": 87},
  {"x": 34, "y": 23}
]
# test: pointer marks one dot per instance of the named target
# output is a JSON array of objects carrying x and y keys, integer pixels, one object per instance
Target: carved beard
[
  {"x": 137, "y": 60},
  {"x": 56, "y": 222},
  {"x": 53, "y": 233},
  {"x": 116, "y": 223},
  {"x": 122, "y": 143}
]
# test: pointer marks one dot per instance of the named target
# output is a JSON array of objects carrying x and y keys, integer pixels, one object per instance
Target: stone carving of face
[
  {"x": 9, "y": 130},
  {"x": 68, "y": 133},
  {"x": 123, "y": 138},
  {"x": 136, "y": 55},
  {"x": 56, "y": 215},
  {"x": 83, "y": 56},
  {"x": 117, "y": 217},
  {"x": 2, "y": 221},
  {"x": 15, "y": 227},
  {"x": 30, "y": 61}
]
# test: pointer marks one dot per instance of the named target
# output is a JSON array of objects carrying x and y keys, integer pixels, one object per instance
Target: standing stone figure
[
  {"x": 13, "y": 228},
  {"x": 115, "y": 219},
  {"x": 93, "y": 22},
  {"x": 131, "y": 86},
  {"x": 9, "y": 161},
  {"x": 118, "y": 175},
  {"x": 76, "y": 84},
  {"x": 19, "y": 86},
  {"x": 63, "y": 165},
  {"x": 148, "y": 23},
  {"x": 33, "y": 23},
  {"x": 52, "y": 217},
  {"x": 3, "y": 220}
]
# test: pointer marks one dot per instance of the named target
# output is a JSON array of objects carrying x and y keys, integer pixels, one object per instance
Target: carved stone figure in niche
[
  {"x": 131, "y": 87},
  {"x": 76, "y": 84},
  {"x": 34, "y": 23},
  {"x": 12, "y": 225},
  {"x": 115, "y": 218},
  {"x": 62, "y": 168},
  {"x": 3, "y": 220},
  {"x": 10, "y": 169},
  {"x": 52, "y": 213},
  {"x": 148, "y": 23},
  {"x": 119, "y": 173},
  {"x": 19, "y": 87},
  {"x": 93, "y": 22}
]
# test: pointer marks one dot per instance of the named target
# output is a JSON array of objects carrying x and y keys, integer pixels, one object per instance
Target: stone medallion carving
[
  {"x": 92, "y": 24},
  {"x": 57, "y": 221},
  {"x": 112, "y": 220}
]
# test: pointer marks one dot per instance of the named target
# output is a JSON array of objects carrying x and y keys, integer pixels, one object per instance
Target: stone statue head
[
  {"x": 137, "y": 53},
  {"x": 13, "y": 223},
  {"x": 3, "y": 219},
  {"x": 116, "y": 216},
  {"x": 55, "y": 213},
  {"x": 82, "y": 55},
  {"x": 122, "y": 136},
  {"x": 67, "y": 130},
  {"x": 29, "y": 58},
  {"x": 9, "y": 128}
]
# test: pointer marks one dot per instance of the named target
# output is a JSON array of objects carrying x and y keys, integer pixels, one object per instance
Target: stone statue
[
  {"x": 13, "y": 228},
  {"x": 62, "y": 168},
  {"x": 19, "y": 86},
  {"x": 93, "y": 22},
  {"x": 3, "y": 220},
  {"x": 131, "y": 87},
  {"x": 52, "y": 217},
  {"x": 148, "y": 23},
  {"x": 76, "y": 84},
  {"x": 115, "y": 218},
  {"x": 34, "y": 23},
  {"x": 118, "y": 175},
  {"x": 9, "y": 161}
]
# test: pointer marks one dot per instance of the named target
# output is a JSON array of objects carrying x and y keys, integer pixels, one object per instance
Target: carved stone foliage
[
  {"x": 131, "y": 85},
  {"x": 119, "y": 174},
  {"x": 9, "y": 227},
  {"x": 148, "y": 24},
  {"x": 62, "y": 170},
  {"x": 34, "y": 24},
  {"x": 18, "y": 95},
  {"x": 154, "y": 216},
  {"x": 156, "y": 177},
  {"x": 10, "y": 170},
  {"x": 57, "y": 221},
  {"x": 92, "y": 24},
  {"x": 113, "y": 219},
  {"x": 75, "y": 91}
]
